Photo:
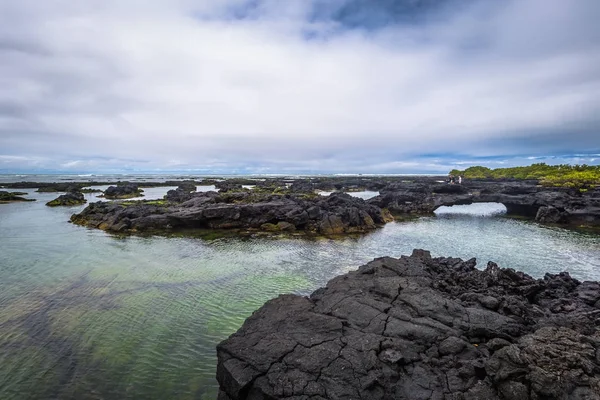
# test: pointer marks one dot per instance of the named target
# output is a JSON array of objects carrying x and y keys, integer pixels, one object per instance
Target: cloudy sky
[{"x": 304, "y": 86}]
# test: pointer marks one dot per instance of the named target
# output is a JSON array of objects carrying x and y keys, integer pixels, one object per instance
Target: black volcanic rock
[
  {"x": 10, "y": 197},
  {"x": 178, "y": 195},
  {"x": 68, "y": 199},
  {"x": 545, "y": 204},
  {"x": 421, "y": 328},
  {"x": 59, "y": 187},
  {"x": 336, "y": 214},
  {"x": 183, "y": 192},
  {"x": 272, "y": 201},
  {"x": 227, "y": 186},
  {"x": 302, "y": 187},
  {"x": 188, "y": 186},
  {"x": 124, "y": 191}
]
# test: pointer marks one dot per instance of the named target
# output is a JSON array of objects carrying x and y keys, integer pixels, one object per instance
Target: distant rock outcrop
[
  {"x": 183, "y": 192},
  {"x": 11, "y": 197},
  {"x": 124, "y": 191},
  {"x": 336, "y": 214},
  {"x": 68, "y": 199},
  {"x": 544, "y": 204},
  {"x": 418, "y": 328}
]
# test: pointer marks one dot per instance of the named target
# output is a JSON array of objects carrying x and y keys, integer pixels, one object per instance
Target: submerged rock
[
  {"x": 68, "y": 199},
  {"x": 421, "y": 328},
  {"x": 544, "y": 204},
  {"x": 549, "y": 214},
  {"x": 10, "y": 197},
  {"x": 58, "y": 187}
]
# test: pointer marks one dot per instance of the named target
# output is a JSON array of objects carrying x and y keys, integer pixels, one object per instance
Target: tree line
[{"x": 563, "y": 175}]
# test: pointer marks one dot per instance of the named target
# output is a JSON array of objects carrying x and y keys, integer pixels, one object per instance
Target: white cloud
[{"x": 180, "y": 83}]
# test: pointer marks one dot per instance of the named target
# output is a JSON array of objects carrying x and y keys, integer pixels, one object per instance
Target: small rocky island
[
  {"x": 124, "y": 191},
  {"x": 336, "y": 214},
  {"x": 418, "y": 328},
  {"x": 73, "y": 198},
  {"x": 11, "y": 197}
]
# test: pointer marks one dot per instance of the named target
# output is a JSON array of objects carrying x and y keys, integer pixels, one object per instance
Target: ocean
[{"x": 88, "y": 315}]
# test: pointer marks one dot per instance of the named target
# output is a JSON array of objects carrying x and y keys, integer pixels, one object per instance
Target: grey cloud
[
  {"x": 297, "y": 84},
  {"x": 8, "y": 45}
]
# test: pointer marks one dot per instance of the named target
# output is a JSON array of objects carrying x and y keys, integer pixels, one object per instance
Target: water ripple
[{"x": 88, "y": 316}]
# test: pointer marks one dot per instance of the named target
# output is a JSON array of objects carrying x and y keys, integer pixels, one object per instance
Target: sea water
[{"x": 87, "y": 315}]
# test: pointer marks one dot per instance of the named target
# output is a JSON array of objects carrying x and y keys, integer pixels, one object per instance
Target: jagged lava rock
[
  {"x": 10, "y": 197},
  {"x": 124, "y": 191},
  {"x": 421, "y": 328},
  {"x": 184, "y": 192},
  {"x": 544, "y": 204},
  {"x": 336, "y": 214},
  {"x": 68, "y": 199}
]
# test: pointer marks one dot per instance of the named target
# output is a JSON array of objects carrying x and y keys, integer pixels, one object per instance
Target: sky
[{"x": 297, "y": 86}]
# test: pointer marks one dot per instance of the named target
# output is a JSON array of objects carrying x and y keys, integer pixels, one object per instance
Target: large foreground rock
[{"x": 421, "y": 328}]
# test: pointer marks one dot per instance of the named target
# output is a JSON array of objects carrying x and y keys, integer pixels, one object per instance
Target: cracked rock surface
[{"x": 421, "y": 328}]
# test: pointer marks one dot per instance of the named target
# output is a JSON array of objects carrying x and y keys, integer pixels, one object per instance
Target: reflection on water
[{"x": 84, "y": 315}]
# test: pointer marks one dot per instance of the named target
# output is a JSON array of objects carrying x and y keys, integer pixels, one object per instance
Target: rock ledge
[{"x": 421, "y": 328}]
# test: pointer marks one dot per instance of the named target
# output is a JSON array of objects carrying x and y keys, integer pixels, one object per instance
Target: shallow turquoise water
[{"x": 85, "y": 315}]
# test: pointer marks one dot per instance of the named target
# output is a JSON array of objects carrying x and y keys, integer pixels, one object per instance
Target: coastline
[
  {"x": 211, "y": 285},
  {"x": 260, "y": 200},
  {"x": 421, "y": 328}
]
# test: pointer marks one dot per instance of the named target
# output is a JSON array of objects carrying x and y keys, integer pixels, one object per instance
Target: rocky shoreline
[
  {"x": 275, "y": 205},
  {"x": 258, "y": 204},
  {"x": 337, "y": 214},
  {"x": 421, "y": 328},
  {"x": 527, "y": 199}
]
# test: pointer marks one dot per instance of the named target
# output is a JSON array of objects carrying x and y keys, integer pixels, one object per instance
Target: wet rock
[
  {"x": 331, "y": 225},
  {"x": 124, "y": 191},
  {"x": 338, "y": 214},
  {"x": 68, "y": 199},
  {"x": 420, "y": 328},
  {"x": 544, "y": 204},
  {"x": 58, "y": 187},
  {"x": 549, "y": 214},
  {"x": 10, "y": 197}
]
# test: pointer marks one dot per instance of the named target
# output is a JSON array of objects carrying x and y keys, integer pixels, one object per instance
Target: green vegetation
[
  {"x": 576, "y": 176},
  {"x": 144, "y": 202}
]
